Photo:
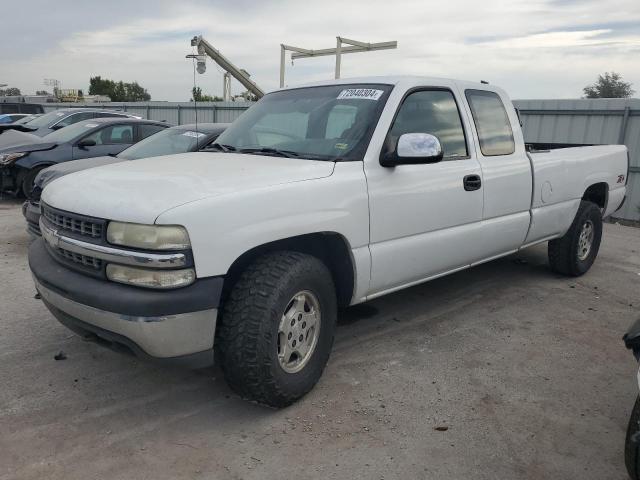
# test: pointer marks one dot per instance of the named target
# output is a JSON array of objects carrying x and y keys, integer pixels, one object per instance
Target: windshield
[
  {"x": 67, "y": 134},
  {"x": 165, "y": 142},
  {"x": 47, "y": 119},
  {"x": 328, "y": 123}
]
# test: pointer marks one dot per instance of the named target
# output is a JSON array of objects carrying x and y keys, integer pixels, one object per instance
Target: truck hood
[{"x": 140, "y": 191}]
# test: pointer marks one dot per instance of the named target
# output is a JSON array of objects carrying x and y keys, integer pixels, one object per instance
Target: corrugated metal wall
[
  {"x": 589, "y": 121},
  {"x": 175, "y": 113},
  {"x": 596, "y": 121}
]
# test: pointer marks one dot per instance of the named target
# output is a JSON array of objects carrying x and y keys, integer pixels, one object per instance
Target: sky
[{"x": 532, "y": 48}]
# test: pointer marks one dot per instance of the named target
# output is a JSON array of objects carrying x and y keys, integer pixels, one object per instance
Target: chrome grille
[
  {"x": 74, "y": 224},
  {"x": 85, "y": 260}
]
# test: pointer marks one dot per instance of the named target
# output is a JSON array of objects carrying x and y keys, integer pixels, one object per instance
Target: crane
[{"x": 206, "y": 49}]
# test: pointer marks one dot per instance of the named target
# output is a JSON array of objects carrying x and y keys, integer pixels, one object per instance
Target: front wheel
[
  {"x": 277, "y": 328},
  {"x": 574, "y": 253}
]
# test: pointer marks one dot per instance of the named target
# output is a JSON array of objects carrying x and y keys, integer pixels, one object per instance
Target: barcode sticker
[
  {"x": 361, "y": 93},
  {"x": 193, "y": 134}
]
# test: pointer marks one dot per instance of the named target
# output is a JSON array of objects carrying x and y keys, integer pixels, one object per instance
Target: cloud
[{"x": 533, "y": 48}]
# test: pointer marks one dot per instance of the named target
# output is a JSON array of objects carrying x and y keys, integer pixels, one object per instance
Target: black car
[
  {"x": 21, "y": 107},
  {"x": 181, "y": 139},
  {"x": 632, "y": 441},
  {"x": 52, "y": 121},
  {"x": 19, "y": 164}
]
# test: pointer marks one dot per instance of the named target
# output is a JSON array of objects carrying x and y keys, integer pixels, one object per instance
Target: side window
[
  {"x": 113, "y": 135},
  {"x": 146, "y": 130},
  {"x": 492, "y": 123},
  {"x": 434, "y": 112},
  {"x": 74, "y": 118}
]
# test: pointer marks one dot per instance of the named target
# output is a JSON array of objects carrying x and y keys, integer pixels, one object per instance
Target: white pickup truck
[{"x": 317, "y": 197}]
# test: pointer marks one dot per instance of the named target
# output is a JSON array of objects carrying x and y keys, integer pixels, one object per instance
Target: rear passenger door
[
  {"x": 423, "y": 222},
  {"x": 506, "y": 171}
]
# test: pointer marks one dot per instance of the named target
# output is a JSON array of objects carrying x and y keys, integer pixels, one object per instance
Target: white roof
[{"x": 405, "y": 81}]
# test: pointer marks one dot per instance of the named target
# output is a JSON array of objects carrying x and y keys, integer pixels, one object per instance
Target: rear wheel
[
  {"x": 574, "y": 253},
  {"x": 277, "y": 328}
]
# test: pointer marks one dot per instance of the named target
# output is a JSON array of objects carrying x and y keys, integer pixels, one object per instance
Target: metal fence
[
  {"x": 175, "y": 113},
  {"x": 596, "y": 121},
  {"x": 589, "y": 121}
]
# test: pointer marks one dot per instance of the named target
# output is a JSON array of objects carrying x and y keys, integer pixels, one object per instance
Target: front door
[
  {"x": 109, "y": 140},
  {"x": 423, "y": 221}
]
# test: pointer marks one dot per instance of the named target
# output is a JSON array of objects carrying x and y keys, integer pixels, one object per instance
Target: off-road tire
[
  {"x": 563, "y": 251},
  {"x": 247, "y": 333}
]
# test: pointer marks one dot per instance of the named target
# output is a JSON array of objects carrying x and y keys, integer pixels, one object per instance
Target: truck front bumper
[{"x": 174, "y": 326}]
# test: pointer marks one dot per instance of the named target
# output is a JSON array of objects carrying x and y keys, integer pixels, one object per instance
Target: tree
[
  {"x": 118, "y": 91},
  {"x": 42, "y": 92},
  {"x": 609, "y": 85},
  {"x": 11, "y": 91},
  {"x": 198, "y": 96}
]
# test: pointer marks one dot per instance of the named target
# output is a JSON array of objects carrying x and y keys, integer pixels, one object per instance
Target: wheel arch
[
  {"x": 597, "y": 193},
  {"x": 331, "y": 248}
]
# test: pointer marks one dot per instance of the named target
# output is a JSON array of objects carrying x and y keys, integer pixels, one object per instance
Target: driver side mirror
[
  {"x": 86, "y": 143},
  {"x": 414, "y": 148}
]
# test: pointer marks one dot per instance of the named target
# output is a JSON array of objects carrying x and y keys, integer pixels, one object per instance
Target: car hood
[
  {"x": 140, "y": 191},
  {"x": 48, "y": 175},
  {"x": 13, "y": 138}
]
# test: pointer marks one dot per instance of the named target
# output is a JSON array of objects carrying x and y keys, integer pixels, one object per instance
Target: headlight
[
  {"x": 143, "y": 277},
  {"x": 150, "y": 237},
  {"x": 9, "y": 158}
]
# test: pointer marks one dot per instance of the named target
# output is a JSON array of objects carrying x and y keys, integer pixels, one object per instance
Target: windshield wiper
[
  {"x": 268, "y": 150},
  {"x": 220, "y": 147}
]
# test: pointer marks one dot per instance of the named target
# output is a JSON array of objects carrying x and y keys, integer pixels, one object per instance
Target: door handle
[{"x": 472, "y": 182}]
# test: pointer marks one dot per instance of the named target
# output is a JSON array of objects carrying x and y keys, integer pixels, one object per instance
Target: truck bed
[{"x": 560, "y": 178}]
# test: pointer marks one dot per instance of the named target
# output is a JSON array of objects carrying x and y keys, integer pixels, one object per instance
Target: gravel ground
[{"x": 504, "y": 371}]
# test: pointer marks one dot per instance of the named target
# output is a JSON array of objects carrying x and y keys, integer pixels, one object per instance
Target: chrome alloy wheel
[
  {"x": 298, "y": 331},
  {"x": 585, "y": 240}
]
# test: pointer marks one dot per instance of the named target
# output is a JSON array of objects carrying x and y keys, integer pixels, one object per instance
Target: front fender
[
  {"x": 40, "y": 158},
  {"x": 34, "y": 159},
  {"x": 222, "y": 228}
]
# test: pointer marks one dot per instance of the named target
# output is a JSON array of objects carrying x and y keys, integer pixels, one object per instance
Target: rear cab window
[{"x": 492, "y": 123}]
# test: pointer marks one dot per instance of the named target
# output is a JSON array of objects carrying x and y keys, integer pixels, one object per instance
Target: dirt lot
[{"x": 525, "y": 372}]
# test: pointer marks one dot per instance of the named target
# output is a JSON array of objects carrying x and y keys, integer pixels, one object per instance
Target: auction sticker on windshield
[
  {"x": 193, "y": 134},
  {"x": 362, "y": 93}
]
